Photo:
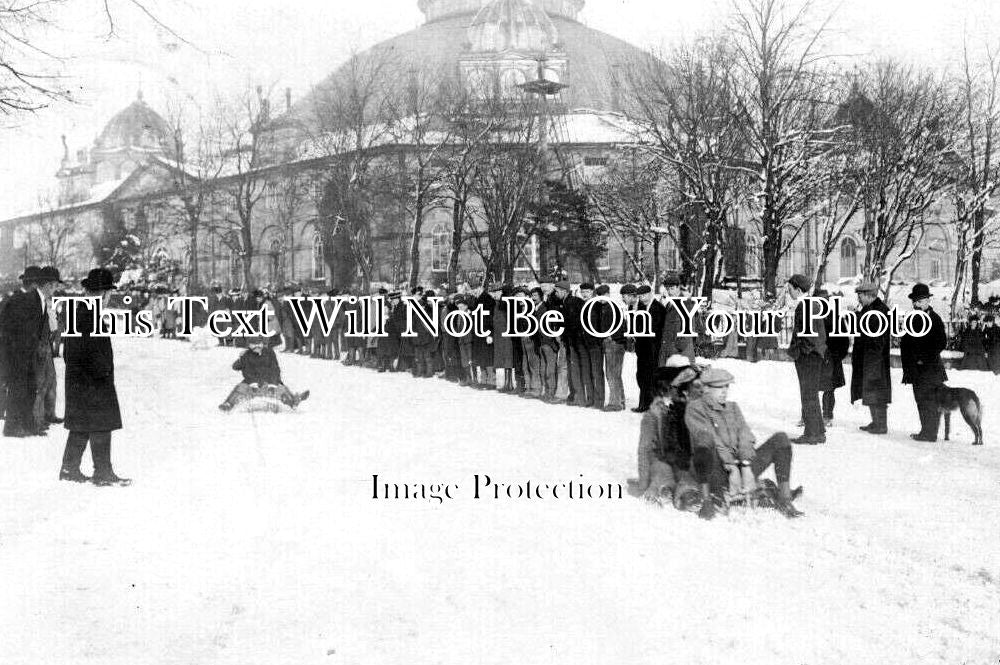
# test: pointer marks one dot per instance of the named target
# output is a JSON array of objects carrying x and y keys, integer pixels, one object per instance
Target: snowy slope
[{"x": 253, "y": 538}]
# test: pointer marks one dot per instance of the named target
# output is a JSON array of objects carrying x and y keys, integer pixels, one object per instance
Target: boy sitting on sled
[{"x": 260, "y": 369}]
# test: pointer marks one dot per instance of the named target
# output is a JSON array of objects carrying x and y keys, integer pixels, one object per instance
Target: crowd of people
[{"x": 695, "y": 448}]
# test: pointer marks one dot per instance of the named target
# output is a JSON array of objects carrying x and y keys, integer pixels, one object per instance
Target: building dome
[
  {"x": 135, "y": 126},
  {"x": 592, "y": 58},
  {"x": 512, "y": 25}
]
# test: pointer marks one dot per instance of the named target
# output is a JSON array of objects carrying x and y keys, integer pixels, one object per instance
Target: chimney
[{"x": 288, "y": 99}]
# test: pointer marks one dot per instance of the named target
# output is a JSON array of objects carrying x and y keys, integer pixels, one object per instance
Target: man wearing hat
[
  {"x": 809, "y": 354},
  {"x": 673, "y": 323},
  {"x": 647, "y": 349},
  {"x": 92, "y": 411},
  {"x": 26, "y": 334},
  {"x": 724, "y": 457},
  {"x": 45, "y": 398},
  {"x": 870, "y": 377},
  {"x": 587, "y": 357},
  {"x": 613, "y": 351},
  {"x": 922, "y": 366}
]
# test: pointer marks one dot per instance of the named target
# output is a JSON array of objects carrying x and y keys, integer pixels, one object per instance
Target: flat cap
[
  {"x": 586, "y": 286},
  {"x": 643, "y": 289},
  {"x": 563, "y": 284},
  {"x": 715, "y": 377},
  {"x": 628, "y": 290},
  {"x": 603, "y": 290}
]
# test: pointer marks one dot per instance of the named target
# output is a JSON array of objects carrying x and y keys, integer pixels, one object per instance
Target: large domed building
[{"x": 127, "y": 177}]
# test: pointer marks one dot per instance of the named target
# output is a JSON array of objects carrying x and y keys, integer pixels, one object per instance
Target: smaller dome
[
  {"x": 135, "y": 126},
  {"x": 512, "y": 25}
]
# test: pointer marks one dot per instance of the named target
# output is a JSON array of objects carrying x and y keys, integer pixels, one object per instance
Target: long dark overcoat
[
  {"x": 482, "y": 351},
  {"x": 91, "y": 398},
  {"x": 921, "y": 356},
  {"x": 870, "y": 378}
]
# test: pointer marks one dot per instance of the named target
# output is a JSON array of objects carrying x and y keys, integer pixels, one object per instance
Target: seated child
[{"x": 260, "y": 368}]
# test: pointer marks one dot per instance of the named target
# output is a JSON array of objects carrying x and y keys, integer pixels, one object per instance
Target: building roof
[
  {"x": 437, "y": 46},
  {"x": 135, "y": 126}
]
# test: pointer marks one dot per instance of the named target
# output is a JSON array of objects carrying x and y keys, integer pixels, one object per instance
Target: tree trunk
[
  {"x": 978, "y": 222},
  {"x": 418, "y": 223},
  {"x": 457, "y": 224},
  {"x": 657, "y": 239},
  {"x": 771, "y": 249},
  {"x": 193, "y": 276}
]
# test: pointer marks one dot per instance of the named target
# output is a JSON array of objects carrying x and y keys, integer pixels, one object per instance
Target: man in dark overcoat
[
  {"x": 647, "y": 349},
  {"x": 870, "y": 378},
  {"x": 27, "y": 284},
  {"x": 24, "y": 329},
  {"x": 922, "y": 366},
  {"x": 482, "y": 349},
  {"x": 673, "y": 324},
  {"x": 92, "y": 411},
  {"x": 809, "y": 354}
]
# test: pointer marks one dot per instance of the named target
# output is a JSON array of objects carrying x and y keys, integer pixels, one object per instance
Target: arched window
[
  {"x": 318, "y": 264},
  {"x": 509, "y": 80},
  {"x": 276, "y": 265},
  {"x": 935, "y": 268},
  {"x": 848, "y": 257},
  {"x": 440, "y": 248},
  {"x": 528, "y": 260}
]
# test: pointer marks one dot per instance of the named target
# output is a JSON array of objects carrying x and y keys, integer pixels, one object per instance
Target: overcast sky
[{"x": 295, "y": 43}]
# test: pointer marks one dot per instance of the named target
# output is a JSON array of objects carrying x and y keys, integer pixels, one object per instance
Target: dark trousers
[
  {"x": 645, "y": 368},
  {"x": 829, "y": 401},
  {"x": 777, "y": 450},
  {"x": 924, "y": 393},
  {"x": 809, "y": 369},
  {"x": 550, "y": 368},
  {"x": 614, "y": 356},
  {"x": 579, "y": 373},
  {"x": 100, "y": 451},
  {"x": 595, "y": 352},
  {"x": 423, "y": 360},
  {"x": 21, "y": 392}
]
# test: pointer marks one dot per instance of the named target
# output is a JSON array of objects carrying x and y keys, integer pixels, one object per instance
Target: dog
[{"x": 966, "y": 401}]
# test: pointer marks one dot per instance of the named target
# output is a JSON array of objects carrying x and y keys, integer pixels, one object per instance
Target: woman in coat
[
  {"x": 991, "y": 332},
  {"x": 92, "y": 411}
]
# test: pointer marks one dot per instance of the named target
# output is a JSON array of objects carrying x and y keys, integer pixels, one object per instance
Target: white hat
[{"x": 678, "y": 360}]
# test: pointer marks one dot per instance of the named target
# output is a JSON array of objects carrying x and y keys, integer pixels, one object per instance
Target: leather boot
[
  {"x": 76, "y": 443},
  {"x": 100, "y": 450}
]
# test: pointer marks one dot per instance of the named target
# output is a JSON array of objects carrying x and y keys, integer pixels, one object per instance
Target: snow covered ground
[{"x": 253, "y": 538}]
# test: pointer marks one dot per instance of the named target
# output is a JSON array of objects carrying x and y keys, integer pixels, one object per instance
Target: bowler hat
[
  {"x": 801, "y": 282},
  {"x": 49, "y": 274},
  {"x": 30, "y": 274},
  {"x": 919, "y": 292},
  {"x": 98, "y": 279},
  {"x": 715, "y": 377}
]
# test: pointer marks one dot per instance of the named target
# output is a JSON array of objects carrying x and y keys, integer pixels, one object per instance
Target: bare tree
[
  {"x": 29, "y": 78},
  {"x": 628, "y": 200},
  {"x": 904, "y": 123},
  {"x": 245, "y": 148},
  {"x": 512, "y": 167},
  {"x": 978, "y": 169},
  {"x": 49, "y": 239},
  {"x": 783, "y": 109},
  {"x": 687, "y": 115},
  {"x": 196, "y": 160},
  {"x": 420, "y": 121},
  {"x": 348, "y": 130},
  {"x": 837, "y": 202}
]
